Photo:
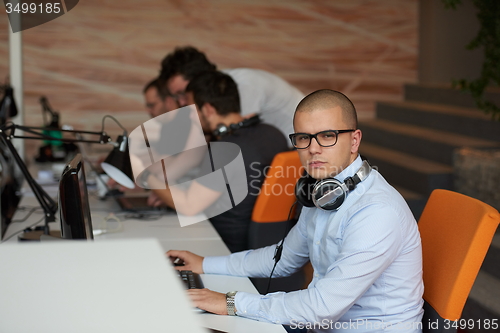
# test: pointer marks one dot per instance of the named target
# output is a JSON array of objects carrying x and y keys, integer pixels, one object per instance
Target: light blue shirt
[{"x": 367, "y": 262}]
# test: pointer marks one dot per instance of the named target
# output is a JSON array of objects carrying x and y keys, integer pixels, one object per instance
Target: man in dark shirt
[{"x": 217, "y": 100}]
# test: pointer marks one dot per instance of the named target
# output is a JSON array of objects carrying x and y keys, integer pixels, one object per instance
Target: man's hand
[
  {"x": 209, "y": 300},
  {"x": 192, "y": 262},
  {"x": 154, "y": 200}
]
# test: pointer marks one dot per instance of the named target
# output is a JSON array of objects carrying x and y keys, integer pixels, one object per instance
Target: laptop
[
  {"x": 129, "y": 201},
  {"x": 137, "y": 202},
  {"x": 124, "y": 286}
]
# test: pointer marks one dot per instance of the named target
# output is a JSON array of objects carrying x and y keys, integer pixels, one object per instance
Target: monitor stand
[{"x": 35, "y": 235}]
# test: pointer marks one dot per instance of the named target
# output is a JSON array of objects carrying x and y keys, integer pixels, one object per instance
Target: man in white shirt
[
  {"x": 364, "y": 245},
  {"x": 260, "y": 92}
]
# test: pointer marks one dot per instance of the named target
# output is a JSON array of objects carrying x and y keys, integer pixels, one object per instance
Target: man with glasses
[
  {"x": 260, "y": 91},
  {"x": 157, "y": 99},
  {"x": 157, "y": 102},
  {"x": 366, "y": 252}
]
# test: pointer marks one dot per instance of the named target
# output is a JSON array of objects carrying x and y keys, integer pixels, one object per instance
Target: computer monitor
[
  {"x": 74, "y": 206},
  {"x": 9, "y": 189}
]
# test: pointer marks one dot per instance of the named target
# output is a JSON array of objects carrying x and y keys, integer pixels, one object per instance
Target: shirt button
[
  {"x": 316, "y": 274},
  {"x": 317, "y": 242}
]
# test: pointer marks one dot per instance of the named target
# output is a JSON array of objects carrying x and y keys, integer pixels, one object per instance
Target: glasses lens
[
  {"x": 327, "y": 138},
  {"x": 180, "y": 95},
  {"x": 301, "y": 140}
]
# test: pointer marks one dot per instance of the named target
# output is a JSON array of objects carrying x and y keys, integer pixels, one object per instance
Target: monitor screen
[
  {"x": 9, "y": 189},
  {"x": 73, "y": 202}
]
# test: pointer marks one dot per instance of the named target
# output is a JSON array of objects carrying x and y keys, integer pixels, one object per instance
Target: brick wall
[{"x": 95, "y": 59}]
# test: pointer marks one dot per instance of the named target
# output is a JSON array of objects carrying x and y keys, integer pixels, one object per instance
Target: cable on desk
[
  {"x": 31, "y": 211},
  {"x": 18, "y": 232},
  {"x": 113, "y": 217},
  {"x": 101, "y": 227}
]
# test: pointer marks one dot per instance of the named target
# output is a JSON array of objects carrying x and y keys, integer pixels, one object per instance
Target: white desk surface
[{"x": 200, "y": 238}]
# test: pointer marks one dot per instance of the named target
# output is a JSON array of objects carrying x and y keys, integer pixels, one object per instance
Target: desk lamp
[{"x": 117, "y": 164}]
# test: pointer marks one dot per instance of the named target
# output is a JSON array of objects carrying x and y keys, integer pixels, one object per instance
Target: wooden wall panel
[{"x": 95, "y": 59}]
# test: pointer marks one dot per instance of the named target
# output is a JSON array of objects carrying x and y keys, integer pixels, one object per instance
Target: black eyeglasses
[
  {"x": 178, "y": 96},
  {"x": 324, "y": 138},
  {"x": 151, "y": 105}
]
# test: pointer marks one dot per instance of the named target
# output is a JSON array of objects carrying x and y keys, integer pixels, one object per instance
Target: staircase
[{"x": 412, "y": 144}]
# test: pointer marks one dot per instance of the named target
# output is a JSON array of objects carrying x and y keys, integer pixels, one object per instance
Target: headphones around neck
[
  {"x": 223, "y": 129},
  {"x": 328, "y": 193}
]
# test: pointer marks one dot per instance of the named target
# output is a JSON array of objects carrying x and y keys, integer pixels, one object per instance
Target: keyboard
[{"x": 191, "y": 280}]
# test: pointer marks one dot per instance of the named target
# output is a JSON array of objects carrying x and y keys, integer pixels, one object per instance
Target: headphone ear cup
[
  {"x": 330, "y": 186},
  {"x": 221, "y": 130},
  {"x": 251, "y": 121},
  {"x": 303, "y": 190}
]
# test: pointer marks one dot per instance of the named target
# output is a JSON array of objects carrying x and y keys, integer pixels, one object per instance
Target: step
[
  {"x": 466, "y": 121},
  {"x": 445, "y": 94},
  {"x": 431, "y": 144},
  {"x": 413, "y": 173},
  {"x": 415, "y": 201}
]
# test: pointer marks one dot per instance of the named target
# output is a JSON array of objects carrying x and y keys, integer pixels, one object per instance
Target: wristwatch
[
  {"x": 143, "y": 179},
  {"x": 230, "y": 303}
]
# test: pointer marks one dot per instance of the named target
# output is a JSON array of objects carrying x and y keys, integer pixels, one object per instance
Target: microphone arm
[
  {"x": 54, "y": 121},
  {"x": 8, "y": 132}
]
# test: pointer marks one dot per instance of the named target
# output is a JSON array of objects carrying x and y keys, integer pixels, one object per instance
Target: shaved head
[{"x": 328, "y": 99}]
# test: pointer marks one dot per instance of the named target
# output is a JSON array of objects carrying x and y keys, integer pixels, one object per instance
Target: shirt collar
[{"x": 350, "y": 170}]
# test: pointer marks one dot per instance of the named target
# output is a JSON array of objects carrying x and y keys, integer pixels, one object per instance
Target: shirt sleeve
[{"x": 370, "y": 244}]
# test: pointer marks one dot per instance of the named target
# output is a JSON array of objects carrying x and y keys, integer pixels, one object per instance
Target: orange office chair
[
  {"x": 270, "y": 213},
  {"x": 456, "y": 232},
  {"x": 278, "y": 190}
]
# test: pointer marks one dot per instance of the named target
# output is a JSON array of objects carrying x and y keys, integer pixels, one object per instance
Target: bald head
[{"x": 328, "y": 99}]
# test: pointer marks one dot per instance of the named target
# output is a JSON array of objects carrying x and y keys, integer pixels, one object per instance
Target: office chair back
[
  {"x": 456, "y": 232},
  {"x": 278, "y": 190},
  {"x": 270, "y": 214}
]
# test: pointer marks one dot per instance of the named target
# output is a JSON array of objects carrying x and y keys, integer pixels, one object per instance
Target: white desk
[{"x": 200, "y": 238}]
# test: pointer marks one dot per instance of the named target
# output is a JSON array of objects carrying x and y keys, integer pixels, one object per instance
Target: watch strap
[
  {"x": 231, "y": 308},
  {"x": 143, "y": 179}
]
